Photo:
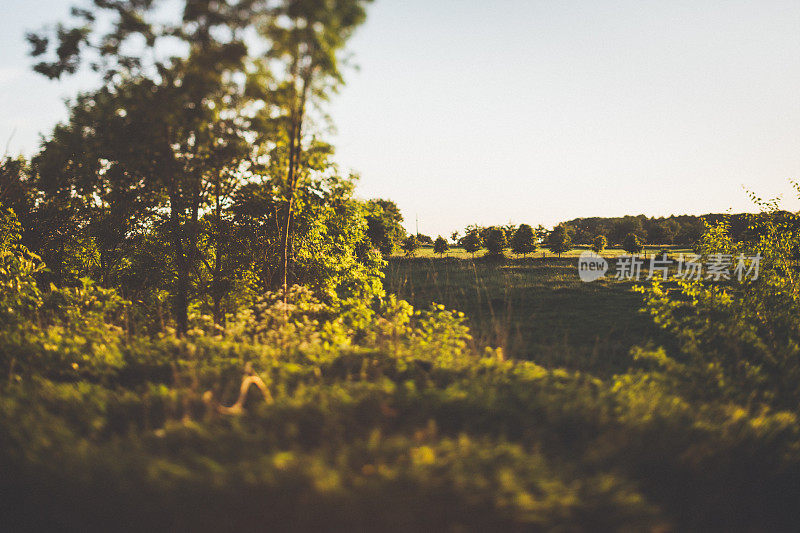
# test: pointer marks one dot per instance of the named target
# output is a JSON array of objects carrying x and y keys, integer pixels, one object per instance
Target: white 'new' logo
[{"x": 591, "y": 267}]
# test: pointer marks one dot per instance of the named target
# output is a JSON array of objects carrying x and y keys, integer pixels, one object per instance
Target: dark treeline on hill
[{"x": 684, "y": 230}]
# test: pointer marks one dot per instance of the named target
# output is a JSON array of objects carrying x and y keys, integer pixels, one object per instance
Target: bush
[{"x": 738, "y": 340}]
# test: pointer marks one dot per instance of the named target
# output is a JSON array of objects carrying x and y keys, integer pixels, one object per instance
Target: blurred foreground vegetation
[{"x": 378, "y": 416}]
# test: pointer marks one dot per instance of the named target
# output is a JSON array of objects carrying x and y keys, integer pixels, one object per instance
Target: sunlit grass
[
  {"x": 457, "y": 252},
  {"x": 535, "y": 309}
]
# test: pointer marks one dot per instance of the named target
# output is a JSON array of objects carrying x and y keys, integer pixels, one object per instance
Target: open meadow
[{"x": 534, "y": 309}]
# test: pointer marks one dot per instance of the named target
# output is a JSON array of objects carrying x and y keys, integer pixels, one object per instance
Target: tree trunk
[
  {"x": 295, "y": 150},
  {"x": 219, "y": 316},
  {"x": 180, "y": 302},
  {"x": 181, "y": 299},
  {"x": 216, "y": 280}
]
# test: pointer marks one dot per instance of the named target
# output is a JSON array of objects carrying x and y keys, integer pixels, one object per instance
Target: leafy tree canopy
[
  {"x": 632, "y": 244},
  {"x": 440, "y": 246},
  {"x": 559, "y": 240},
  {"x": 524, "y": 240},
  {"x": 599, "y": 244},
  {"x": 496, "y": 242}
]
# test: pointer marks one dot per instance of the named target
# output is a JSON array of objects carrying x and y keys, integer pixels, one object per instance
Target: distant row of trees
[
  {"x": 521, "y": 240},
  {"x": 680, "y": 230},
  {"x": 684, "y": 230},
  {"x": 631, "y": 233}
]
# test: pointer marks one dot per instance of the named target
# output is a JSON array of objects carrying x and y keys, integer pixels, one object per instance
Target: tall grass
[{"x": 534, "y": 309}]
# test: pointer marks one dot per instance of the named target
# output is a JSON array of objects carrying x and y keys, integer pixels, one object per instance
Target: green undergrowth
[
  {"x": 383, "y": 421},
  {"x": 303, "y": 416}
]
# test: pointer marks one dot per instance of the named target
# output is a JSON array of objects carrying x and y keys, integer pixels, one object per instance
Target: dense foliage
[
  {"x": 739, "y": 336},
  {"x": 385, "y": 229}
]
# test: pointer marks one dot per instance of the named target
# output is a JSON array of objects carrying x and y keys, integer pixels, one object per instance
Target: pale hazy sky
[{"x": 527, "y": 111}]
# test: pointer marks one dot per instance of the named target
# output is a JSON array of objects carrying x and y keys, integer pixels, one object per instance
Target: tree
[
  {"x": 424, "y": 239},
  {"x": 559, "y": 240},
  {"x": 599, "y": 244},
  {"x": 157, "y": 165},
  {"x": 541, "y": 234},
  {"x": 385, "y": 225},
  {"x": 174, "y": 138},
  {"x": 175, "y": 127},
  {"x": 632, "y": 244},
  {"x": 471, "y": 241},
  {"x": 496, "y": 241},
  {"x": 661, "y": 231},
  {"x": 440, "y": 246},
  {"x": 626, "y": 225},
  {"x": 157, "y": 136},
  {"x": 524, "y": 240},
  {"x": 411, "y": 245},
  {"x": 454, "y": 236},
  {"x": 300, "y": 71}
]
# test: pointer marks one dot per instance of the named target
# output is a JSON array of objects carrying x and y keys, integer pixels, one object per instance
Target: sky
[{"x": 526, "y": 111}]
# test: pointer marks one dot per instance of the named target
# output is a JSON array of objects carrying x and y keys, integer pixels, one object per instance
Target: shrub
[{"x": 738, "y": 340}]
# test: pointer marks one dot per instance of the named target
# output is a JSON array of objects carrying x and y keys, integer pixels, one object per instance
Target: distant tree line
[
  {"x": 683, "y": 230},
  {"x": 631, "y": 233},
  {"x": 521, "y": 240}
]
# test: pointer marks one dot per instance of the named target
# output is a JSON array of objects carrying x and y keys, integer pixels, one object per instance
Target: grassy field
[
  {"x": 459, "y": 253},
  {"x": 535, "y": 309}
]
